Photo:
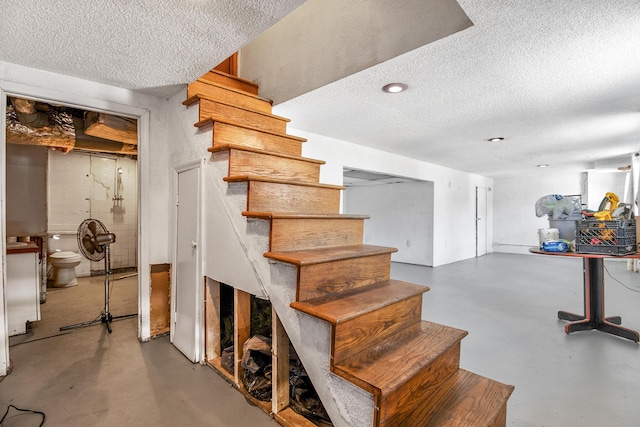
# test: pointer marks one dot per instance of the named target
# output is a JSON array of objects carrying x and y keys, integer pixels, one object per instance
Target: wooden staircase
[{"x": 379, "y": 340}]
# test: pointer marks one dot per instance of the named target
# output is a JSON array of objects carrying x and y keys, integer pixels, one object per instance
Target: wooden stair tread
[
  {"x": 233, "y": 89},
  {"x": 388, "y": 365},
  {"x": 260, "y": 151},
  {"x": 320, "y": 255},
  {"x": 465, "y": 399},
  {"x": 340, "y": 307},
  {"x": 209, "y": 121},
  {"x": 245, "y": 178},
  {"x": 231, "y": 76},
  {"x": 294, "y": 215},
  {"x": 197, "y": 97}
]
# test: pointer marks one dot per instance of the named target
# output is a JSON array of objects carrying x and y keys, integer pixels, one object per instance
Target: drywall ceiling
[
  {"x": 151, "y": 46},
  {"x": 326, "y": 40},
  {"x": 560, "y": 81}
]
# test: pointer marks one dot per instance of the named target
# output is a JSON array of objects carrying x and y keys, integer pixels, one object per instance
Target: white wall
[
  {"x": 454, "y": 192},
  {"x": 401, "y": 216},
  {"x": 27, "y": 190},
  {"x": 515, "y": 222},
  {"x": 600, "y": 183}
]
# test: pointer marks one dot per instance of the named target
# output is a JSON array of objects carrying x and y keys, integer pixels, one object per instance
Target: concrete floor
[
  {"x": 88, "y": 377},
  {"x": 508, "y": 303}
]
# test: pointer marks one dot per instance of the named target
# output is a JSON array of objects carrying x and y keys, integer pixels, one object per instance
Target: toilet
[{"x": 64, "y": 260}]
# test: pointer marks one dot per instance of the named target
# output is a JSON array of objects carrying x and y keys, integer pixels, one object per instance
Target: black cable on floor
[
  {"x": 39, "y": 339},
  {"x": 628, "y": 287},
  {"x": 21, "y": 410}
]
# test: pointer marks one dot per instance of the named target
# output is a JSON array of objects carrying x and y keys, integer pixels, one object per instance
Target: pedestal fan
[{"x": 94, "y": 243}]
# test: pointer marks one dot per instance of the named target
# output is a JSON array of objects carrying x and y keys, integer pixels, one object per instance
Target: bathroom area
[{"x": 49, "y": 194}]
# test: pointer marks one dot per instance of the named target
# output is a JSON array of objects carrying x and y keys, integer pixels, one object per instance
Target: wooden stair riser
[
  {"x": 247, "y": 162},
  {"x": 225, "y": 134},
  {"x": 353, "y": 335},
  {"x": 308, "y": 233},
  {"x": 401, "y": 402},
  {"x": 217, "y": 110},
  {"x": 231, "y": 81},
  {"x": 278, "y": 197},
  {"x": 228, "y": 96},
  {"x": 316, "y": 280}
]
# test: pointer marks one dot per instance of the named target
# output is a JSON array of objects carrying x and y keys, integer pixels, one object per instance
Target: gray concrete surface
[
  {"x": 509, "y": 305},
  {"x": 88, "y": 377}
]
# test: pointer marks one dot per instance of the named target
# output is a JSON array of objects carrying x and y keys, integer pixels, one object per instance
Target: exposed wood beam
[{"x": 114, "y": 128}]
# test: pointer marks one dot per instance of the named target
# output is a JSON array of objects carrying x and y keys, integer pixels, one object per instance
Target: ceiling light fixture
[
  {"x": 498, "y": 139},
  {"x": 394, "y": 87},
  {"x": 543, "y": 166}
]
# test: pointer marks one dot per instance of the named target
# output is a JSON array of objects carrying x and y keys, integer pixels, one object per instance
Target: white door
[
  {"x": 186, "y": 310},
  {"x": 481, "y": 221}
]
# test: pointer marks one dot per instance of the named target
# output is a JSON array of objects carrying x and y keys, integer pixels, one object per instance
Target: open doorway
[
  {"x": 401, "y": 213},
  {"x": 64, "y": 165}
]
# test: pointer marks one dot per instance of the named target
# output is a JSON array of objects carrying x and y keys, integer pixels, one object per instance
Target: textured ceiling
[
  {"x": 148, "y": 45},
  {"x": 559, "y": 80}
]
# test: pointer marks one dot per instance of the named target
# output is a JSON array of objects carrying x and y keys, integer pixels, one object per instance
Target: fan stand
[{"x": 106, "y": 316}]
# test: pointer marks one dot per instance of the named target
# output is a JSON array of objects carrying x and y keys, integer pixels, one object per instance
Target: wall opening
[{"x": 401, "y": 213}]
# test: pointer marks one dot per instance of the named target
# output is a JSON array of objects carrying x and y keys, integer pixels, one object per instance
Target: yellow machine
[{"x": 604, "y": 211}]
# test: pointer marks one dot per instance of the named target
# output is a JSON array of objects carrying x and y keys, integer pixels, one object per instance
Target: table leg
[{"x": 594, "y": 306}]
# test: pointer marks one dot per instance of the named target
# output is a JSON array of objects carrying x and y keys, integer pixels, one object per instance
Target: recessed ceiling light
[
  {"x": 543, "y": 166},
  {"x": 495, "y": 139},
  {"x": 394, "y": 87}
]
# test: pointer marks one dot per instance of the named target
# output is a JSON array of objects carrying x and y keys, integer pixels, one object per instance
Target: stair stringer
[
  {"x": 347, "y": 404},
  {"x": 223, "y": 257}
]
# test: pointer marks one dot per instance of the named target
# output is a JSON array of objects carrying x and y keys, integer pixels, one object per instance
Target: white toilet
[{"x": 63, "y": 259}]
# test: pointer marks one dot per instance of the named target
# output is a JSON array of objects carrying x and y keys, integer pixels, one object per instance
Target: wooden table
[{"x": 593, "y": 317}]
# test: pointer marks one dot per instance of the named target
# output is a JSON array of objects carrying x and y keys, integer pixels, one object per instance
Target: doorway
[
  {"x": 481, "y": 221},
  {"x": 116, "y": 210},
  {"x": 187, "y": 310},
  {"x": 401, "y": 212}
]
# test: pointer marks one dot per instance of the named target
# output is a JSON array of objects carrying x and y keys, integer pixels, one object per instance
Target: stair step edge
[
  {"x": 344, "y": 306},
  {"x": 436, "y": 337},
  {"x": 322, "y": 255},
  {"x": 197, "y": 97},
  {"x": 294, "y": 215},
  {"x": 450, "y": 403},
  {"x": 232, "y": 89},
  {"x": 232, "y": 77},
  {"x": 210, "y": 121},
  {"x": 259, "y": 151},
  {"x": 259, "y": 178}
]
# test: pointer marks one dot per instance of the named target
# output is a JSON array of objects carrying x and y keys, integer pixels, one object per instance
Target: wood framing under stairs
[{"x": 379, "y": 341}]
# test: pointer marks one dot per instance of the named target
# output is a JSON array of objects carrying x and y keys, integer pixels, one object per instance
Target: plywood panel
[
  {"x": 280, "y": 365},
  {"x": 242, "y": 329},
  {"x": 160, "y": 298},
  {"x": 212, "y": 319}
]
